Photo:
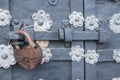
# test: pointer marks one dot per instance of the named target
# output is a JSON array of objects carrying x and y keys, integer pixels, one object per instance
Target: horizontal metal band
[
  {"x": 105, "y": 55},
  {"x": 60, "y": 54},
  {"x": 76, "y": 35},
  {"x": 69, "y": 35}
]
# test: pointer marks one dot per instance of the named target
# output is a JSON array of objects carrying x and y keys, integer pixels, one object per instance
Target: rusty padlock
[{"x": 28, "y": 56}]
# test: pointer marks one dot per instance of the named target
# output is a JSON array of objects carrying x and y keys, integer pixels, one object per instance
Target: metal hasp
[{"x": 67, "y": 35}]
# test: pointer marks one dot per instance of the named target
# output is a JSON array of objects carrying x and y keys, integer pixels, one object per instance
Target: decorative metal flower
[
  {"x": 42, "y": 21},
  {"x": 7, "y": 57},
  {"x": 114, "y": 23},
  {"x": 91, "y": 22},
  {"x": 47, "y": 55},
  {"x": 116, "y": 55},
  {"x": 5, "y": 17},
  {"x": 76, "y": 19},
  {"x": 116, "y": 78},
  {"x": 77, "y": 53},
  {"x": 91, "y": 57}
]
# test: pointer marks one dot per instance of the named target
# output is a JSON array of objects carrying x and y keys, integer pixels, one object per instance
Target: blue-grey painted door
[
  {"x": 60, "y": 67},
  {"x": 106, "y": 68}
]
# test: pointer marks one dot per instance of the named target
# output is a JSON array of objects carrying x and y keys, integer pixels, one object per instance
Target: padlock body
[{"x": 28, "y": 57}]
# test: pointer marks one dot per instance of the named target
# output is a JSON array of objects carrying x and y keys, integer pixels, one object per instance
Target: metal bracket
[{"x": 17, "y": 24}]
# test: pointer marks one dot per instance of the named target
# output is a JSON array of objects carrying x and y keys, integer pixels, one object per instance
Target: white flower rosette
[
  {"x": 47, "y": 55},
  {"x": 42, "y": 21},
  {"x": 91, "y": 57},
  {"x": 5, "y": 17},
  {"x": 76, "y": 19},
  {"x": 91, "y": 22},
  {"x": 77, "y": 53},
  {"x": 116, "y": 55},
  {"x": 114, "y": 23},
  {"x": 7, "y": 56}
]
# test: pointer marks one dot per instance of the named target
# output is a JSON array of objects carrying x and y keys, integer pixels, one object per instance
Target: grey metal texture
[
  {"x": 61, "y": 66},
  {"x": 63, "y": 37},
  {"x": 106, "y": 68}
]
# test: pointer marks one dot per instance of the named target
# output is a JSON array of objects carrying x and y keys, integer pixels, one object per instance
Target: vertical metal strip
[
  {"x": 5, "y": 74},
  {"x": 90, "y": 70},
  {"x": 77, "y": 67}
]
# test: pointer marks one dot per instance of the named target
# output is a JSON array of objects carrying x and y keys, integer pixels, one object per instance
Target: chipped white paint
[
  {"x": 91, "y": 57},
  {"x": 118, "y": 78},
  {"x": 5, "y": 17},
  {"x": 77, "y": 53},
  {"x": 114, "y": 23},
  {"x": 47, "y": 55},
  {"x": 76, "y": 19},
  {"x": 6, "y": 56},
  {"x": 116, "y": 55},
  {"x": 91, "y": 22},
  {"x": 43, "y": 44},
  {"x": 42, "y": 21}
]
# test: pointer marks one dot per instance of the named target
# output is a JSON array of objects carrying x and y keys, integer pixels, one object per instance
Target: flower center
[
  {"x": 91, "y": 23},
  {"x": 77, "y": 19},
  {"x": 40, "y": 23},
  {"x": 91, "y": 57},
  {"x": 4, "y": 56}
]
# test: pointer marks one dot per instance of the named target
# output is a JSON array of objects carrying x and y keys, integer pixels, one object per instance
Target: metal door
[
  {"x": 102, "y": 41},
  {"x": 61, "y": 66},
  {"x": 106, "y": 68}
]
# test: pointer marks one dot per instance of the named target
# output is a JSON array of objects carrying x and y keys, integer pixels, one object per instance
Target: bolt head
[
  {"x": 91, "y": 57},
  {"x": 4, "y": 56}
]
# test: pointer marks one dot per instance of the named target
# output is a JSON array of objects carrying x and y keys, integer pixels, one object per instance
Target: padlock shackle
[{"x": 27, "y": 36}]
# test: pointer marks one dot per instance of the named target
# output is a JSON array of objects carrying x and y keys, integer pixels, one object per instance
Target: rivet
[
  {"x": 91, "y": 57},
  {"x": 4, "y": 56},
  {"x": 16, "y": 21}
]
